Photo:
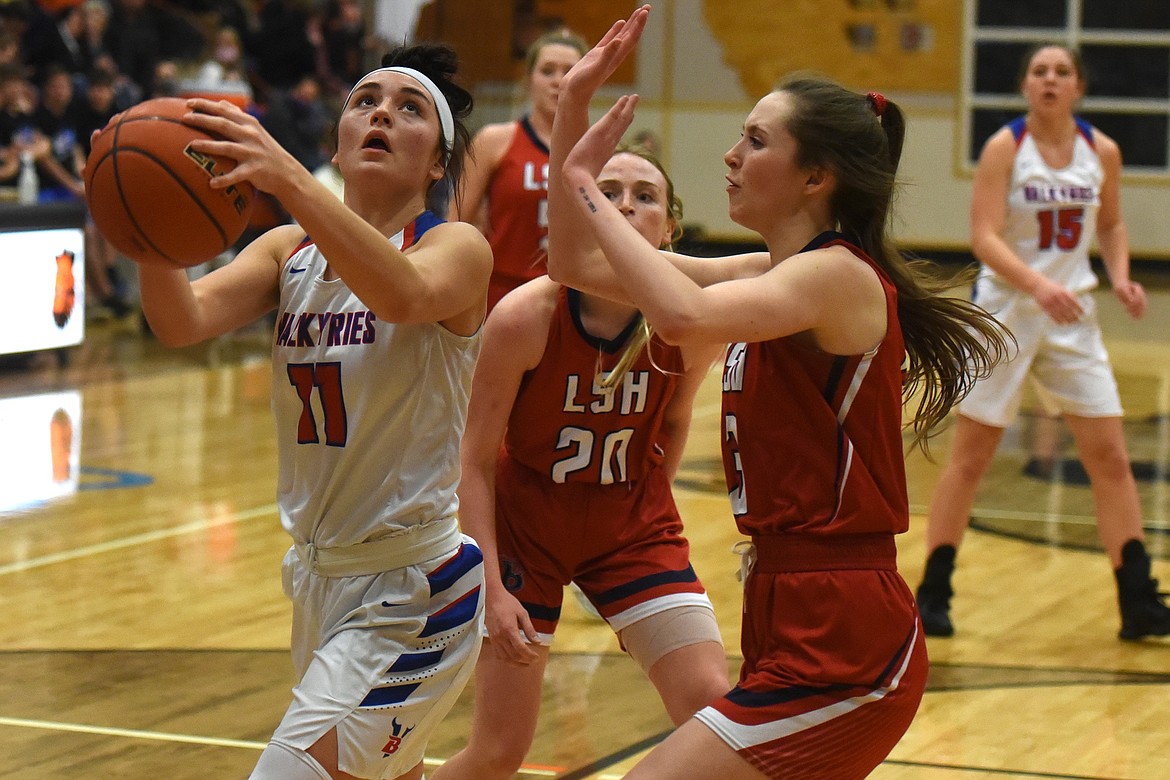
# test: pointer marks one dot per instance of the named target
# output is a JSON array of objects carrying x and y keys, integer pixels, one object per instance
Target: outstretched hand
[
  {"x": 600, "y": 62},
  {"x": 592, "y": 152}
]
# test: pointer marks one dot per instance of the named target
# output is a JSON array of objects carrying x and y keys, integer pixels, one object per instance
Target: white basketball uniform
[
  {"x": 1050, "y": 225},
  {"x": 369, "y": 416}
]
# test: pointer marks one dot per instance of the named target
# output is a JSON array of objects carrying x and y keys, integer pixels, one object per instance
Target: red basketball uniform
[
  {"x": 518, "y": 213},
  {"x": 834, "y": 660},
  {"x": 581, "y": 491}
]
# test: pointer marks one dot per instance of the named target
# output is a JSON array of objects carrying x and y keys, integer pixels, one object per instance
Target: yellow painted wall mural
[{"x": 880, "y": 44}]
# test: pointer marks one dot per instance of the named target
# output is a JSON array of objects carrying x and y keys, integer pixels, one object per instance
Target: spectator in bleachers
[
  {"x": 140, "y": 35},
  {"x": 344, "y": 43},
  {"x": 60, "y": 45},
  {"x": 95, "y": 27},
  {"x": 17, "y": 128},
  {"x": 95, "y": 106},
  {"x": 126, "y": 92},
  {"x": 10, "y": 54},
  {"x": 298, "y": 120},
  {"x": 222, "y": 73},
  {"x": 18, "y": 102},
  {"x": 56, "y": 118},
  {"x": 281, "y": 51}
]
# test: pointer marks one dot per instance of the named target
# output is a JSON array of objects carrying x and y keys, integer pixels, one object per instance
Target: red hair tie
[{"x": 878, "y": 101}]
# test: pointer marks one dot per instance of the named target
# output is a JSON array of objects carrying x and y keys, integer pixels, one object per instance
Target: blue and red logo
[{"x": 397, "y": 734}]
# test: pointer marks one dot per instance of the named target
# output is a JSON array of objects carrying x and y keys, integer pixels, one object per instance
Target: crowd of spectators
[{"x": 67, "y": 66}]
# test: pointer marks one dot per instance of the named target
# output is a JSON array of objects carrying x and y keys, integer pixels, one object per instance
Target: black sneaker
[
  {"x": 934, "y": 593},
  {"x": 1144, "y": 615},
  {"x": 1143, "y": 608},
  {"x": 935, "y": 608}
]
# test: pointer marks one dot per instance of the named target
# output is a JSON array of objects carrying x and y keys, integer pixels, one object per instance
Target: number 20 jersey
[
  {"x": 369, "y": 414},
  {"x": 1052, "y": 212},
  {"x": 566, "y": 427}
]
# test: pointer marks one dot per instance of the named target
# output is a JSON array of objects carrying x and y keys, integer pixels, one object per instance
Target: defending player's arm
[
  {"x": 181, "y": 312},
  {"x": 1112, "y": 234},
  {"x": 676, "y": 421},
  {"x": 574, "y": 254},
  {"x": 799, "y": 294},
  {"x": 989, "y": 208},
  {"x": 513, "y": 342}
]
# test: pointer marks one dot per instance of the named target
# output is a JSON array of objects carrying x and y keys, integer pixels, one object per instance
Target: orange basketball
[{"x": 149, "y": 193}]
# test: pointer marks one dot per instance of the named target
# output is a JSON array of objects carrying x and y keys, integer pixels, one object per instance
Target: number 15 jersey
[{"x": 1052, "y": 212}]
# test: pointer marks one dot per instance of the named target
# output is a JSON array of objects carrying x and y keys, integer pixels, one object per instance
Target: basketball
[{"x": 149, "y": 193}]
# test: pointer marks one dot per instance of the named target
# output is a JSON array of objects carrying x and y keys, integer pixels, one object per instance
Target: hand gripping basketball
[{"x": 149, "y": 193}]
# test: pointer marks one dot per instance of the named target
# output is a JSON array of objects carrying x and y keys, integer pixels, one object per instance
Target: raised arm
[
  {"x": 574, "y": 257},
  {"x": 441, "y": 279},
  {"x": 797, "y": 294},
  {"x": 574, "y": 254}
]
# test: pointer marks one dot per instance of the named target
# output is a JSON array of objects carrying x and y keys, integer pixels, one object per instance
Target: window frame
[{"x": 1071, "y": 34}]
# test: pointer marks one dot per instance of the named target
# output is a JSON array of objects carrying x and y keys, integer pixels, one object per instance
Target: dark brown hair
[
  {"x": 1073, "y": 54},
  {"x": 439, "y": 63},
  {"x": 950, "y": 341}
]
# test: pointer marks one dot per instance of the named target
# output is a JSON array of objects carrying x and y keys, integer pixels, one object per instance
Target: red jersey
[
  {"x": 518, "y": 213},
  {"x": 812, "y": 442},
  {"x": 565, "y": 426}
]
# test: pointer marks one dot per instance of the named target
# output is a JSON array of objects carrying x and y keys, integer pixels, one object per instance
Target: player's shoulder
[
  {"x": 283, "y": 241},
  {"x": 1005, "y": 139},
  {"x": 1107, "y": 149},
  {"x": 529, "y": 305},
  {"x": 494, "y": 139},
  {"x": 519, "y": 323},
  {"x": 462, "y": 239},
  {"x": 1000, "y": 149}
]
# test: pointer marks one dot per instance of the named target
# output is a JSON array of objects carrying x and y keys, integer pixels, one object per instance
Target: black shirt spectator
[
  {"x": 141, "y": 34},
  {"x": 56, "y": 118},
  {"x": 298, "y": 120},
  {"x": 280, "y": 49}
]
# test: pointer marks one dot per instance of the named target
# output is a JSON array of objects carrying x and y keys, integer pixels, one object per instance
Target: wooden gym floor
[{"x": 145, "y": 633}]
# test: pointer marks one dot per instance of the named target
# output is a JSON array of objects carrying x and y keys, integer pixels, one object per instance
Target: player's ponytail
[
  {"x": 950, "y": 342},
  {"x": 637, "y": 341}
]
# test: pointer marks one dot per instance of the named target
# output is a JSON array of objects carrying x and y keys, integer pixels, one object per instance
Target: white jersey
[
  {"x": 369, "y": 414},
  {"x": 1052, "y": 213}
]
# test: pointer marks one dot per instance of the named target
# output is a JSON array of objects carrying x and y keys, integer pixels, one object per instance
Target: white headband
[{"x": 446, "y": 120}]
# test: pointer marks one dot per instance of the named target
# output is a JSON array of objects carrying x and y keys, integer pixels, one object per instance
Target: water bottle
[{"x": 28, "y": 185}]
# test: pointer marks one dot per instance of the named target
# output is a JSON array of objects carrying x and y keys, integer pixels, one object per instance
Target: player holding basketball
[
  {"x": 834, "y": 657},
  {"x": 507, "y": 175},
  {"x": 1044, "y": 185},
  {"x": 592, "y": 413},
  {"x": 379, "y": 310}
]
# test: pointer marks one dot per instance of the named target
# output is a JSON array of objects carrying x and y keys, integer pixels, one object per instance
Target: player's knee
[
  {"x": 1107, "y": 462},
  {"x": 284, "y": 762},
  {"x": 502, "y": 759}
]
